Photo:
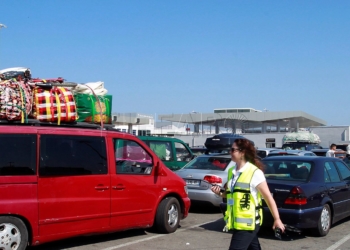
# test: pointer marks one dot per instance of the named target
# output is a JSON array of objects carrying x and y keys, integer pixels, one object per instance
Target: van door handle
[
  {"x": 118, "y": 187},
  {"x": 101, "y": 187}
]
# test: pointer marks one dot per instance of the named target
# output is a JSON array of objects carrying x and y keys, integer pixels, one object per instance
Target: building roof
[{"x": 295, "y": 119}]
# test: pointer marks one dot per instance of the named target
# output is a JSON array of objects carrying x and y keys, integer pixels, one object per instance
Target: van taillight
[
  {"x": 213, "y": 179},
  {"x": 296, "y": 197}
]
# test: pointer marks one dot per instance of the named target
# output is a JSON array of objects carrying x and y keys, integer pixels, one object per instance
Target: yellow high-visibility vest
[{"x": 242, "y": 214}]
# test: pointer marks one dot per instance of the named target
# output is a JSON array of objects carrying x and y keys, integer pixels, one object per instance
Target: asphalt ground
[{"x": 202, "y": 230}]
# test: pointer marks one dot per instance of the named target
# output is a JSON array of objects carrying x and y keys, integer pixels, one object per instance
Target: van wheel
[
  {"x": 324, "y": 222},
  {"x": 168, "y": 215},
  {"x": 13, "y": 233}
]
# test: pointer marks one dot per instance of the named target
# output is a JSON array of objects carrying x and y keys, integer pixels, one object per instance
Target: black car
[{"x": 310, "y": 191}]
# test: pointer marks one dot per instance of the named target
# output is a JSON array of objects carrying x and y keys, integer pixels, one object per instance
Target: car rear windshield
[
  {"x": 287, "y": 170},
  {"x": 208, "y": 163}
]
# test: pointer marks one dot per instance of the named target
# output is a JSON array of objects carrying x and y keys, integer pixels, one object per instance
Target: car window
[
  {"x": 198, "y": 151},
  {"x": 287, "y": 170},
  {"x": 332, "y": 172},
  {"x": 343, "y": 170},
  {"x": 17, "y": 154},
  {"x": 326, "y": 175},
  {"x": 208, "y": 163},
  {"x": 163, "y": 149},
  {"x": 182, "y": 153},
  {"x": 131, "y": 158},
  {"x": 62, "y": 155},
  {"x": 261, "y": 153}
]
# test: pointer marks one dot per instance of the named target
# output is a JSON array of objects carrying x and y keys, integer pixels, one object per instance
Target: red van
[{"x": 58, "y": 182}]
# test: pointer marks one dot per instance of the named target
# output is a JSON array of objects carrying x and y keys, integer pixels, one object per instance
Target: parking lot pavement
[{"x": 202, "y": 230}]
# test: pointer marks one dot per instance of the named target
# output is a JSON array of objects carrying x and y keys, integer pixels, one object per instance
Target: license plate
[{"x": 192, "y": 182}]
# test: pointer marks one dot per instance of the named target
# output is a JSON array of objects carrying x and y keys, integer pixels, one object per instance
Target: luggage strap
[{"x": 99, "y": 104}]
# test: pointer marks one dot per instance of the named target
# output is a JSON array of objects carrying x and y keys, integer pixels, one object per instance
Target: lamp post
[{"x": 2, "y": 26}]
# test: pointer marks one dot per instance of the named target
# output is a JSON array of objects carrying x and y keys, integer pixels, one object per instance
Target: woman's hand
[
  {"x": 278, "y": 223},
  {"x": 215, "y": 189}
]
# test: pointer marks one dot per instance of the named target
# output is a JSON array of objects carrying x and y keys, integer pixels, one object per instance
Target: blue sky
[{"x": 163, "y": 57}]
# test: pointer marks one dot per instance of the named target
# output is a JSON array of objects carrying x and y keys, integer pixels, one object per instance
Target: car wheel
[
  {"x": 324, "y": 222},
  {"x": 13, "y": 233},
  {"x": 168, "y": 215}
]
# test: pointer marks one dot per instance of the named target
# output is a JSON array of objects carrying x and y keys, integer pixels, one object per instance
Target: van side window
[
  {"x": 62, "y": 155},
  {"x": 182, "y": 153},
  {"x": 17, "y": 154},
  {"x": 131, "y": 158}
]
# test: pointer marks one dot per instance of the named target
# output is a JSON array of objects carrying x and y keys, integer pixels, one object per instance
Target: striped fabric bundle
[
  {"x": 54, "y": 105},
  {"x": 15, "y": 100}
]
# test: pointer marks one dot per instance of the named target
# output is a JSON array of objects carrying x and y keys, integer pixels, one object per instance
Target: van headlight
[{"x": 186, "y": 191}]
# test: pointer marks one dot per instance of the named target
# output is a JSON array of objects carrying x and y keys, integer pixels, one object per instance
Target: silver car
[{"x": 203, "y": 172}]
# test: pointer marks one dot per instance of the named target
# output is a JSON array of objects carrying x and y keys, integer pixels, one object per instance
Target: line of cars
[{"x": 310, "y": 191}]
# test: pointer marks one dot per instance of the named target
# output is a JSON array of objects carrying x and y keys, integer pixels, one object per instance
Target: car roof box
[{"x": 222, "y": 141}]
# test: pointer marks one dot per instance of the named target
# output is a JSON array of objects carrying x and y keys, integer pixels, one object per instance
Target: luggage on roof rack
[
  {"x": 15, "y": 100},
  {"x": 54, "y": 105}
]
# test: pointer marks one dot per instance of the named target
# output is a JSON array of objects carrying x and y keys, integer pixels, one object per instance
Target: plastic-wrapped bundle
[
  {"x": 87, "y": 88},
  {"x": 304, "y": 136}
]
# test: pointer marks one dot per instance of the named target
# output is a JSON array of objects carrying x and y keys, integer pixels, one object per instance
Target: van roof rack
[{"x": 34, "y": 122}]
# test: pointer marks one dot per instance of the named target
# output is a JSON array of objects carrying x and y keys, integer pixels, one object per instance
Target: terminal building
[{"x": 265, "y": 128}]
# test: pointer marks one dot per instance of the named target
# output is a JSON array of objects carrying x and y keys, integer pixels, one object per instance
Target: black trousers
[{"x": 245, "y": 239}]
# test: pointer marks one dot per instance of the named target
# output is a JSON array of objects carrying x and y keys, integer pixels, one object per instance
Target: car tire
[
  {"x": 13, "y": 233},
  {"x": 324, "y": 222},
  {"x": 168, "y": 215}
]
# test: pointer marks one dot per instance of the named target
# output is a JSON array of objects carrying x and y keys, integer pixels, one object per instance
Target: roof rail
[{"x": 34, "y": 122}]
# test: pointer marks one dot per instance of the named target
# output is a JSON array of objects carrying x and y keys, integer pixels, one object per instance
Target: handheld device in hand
[
  {"x": 221, "y": 188},
  {"x": 278, "y": 233}
]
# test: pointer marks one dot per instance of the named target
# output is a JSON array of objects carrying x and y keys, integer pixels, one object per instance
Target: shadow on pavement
[
  {"x": 265, "y": 232},
  {"x": 268, "y": 233},
  {"x": 216, "y": 226},
  {"x": 198, "y": 208}
]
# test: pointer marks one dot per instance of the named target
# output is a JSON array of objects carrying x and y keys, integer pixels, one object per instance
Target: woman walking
[{"x": 246, "y": 186}]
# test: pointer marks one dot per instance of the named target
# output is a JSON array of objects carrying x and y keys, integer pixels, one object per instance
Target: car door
[
  {"x": 135, "y": 186},
  {"x": 344, "y": 172},
  {"x": 336, "y": 190},
  {"x": 73, "y": 185}
]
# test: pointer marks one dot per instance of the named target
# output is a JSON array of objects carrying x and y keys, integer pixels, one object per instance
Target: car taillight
[
  {"x": 213, "y": 179},
  {"x": 296, "y": 197}
]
